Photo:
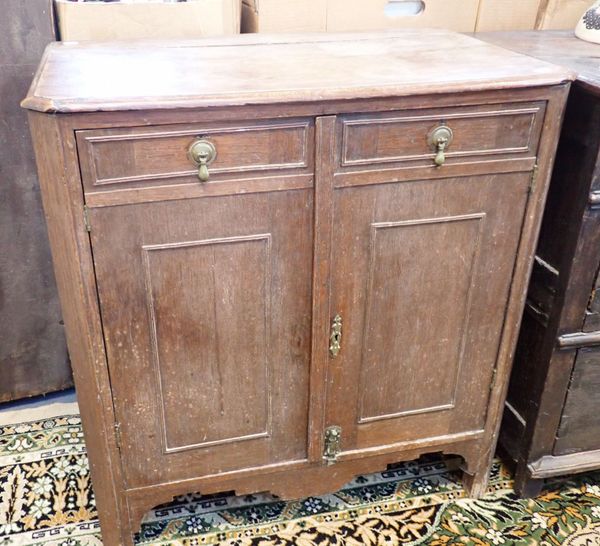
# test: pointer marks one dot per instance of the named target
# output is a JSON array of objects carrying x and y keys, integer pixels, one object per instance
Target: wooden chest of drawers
[
  {"x": 552, "y": 417},
  {"x": 291, "y": 261}
]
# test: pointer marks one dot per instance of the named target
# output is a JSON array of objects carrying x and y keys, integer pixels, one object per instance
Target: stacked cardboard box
[
  {"x": 507, "y": 15},
  {"x": 459, "y": 15},
  {"x": 351, "y": 15},
  {"x": 127, "y": 20},
  {"x": 284, "y": 15},
  {"x": 561, "y": 14},
  {"x": 80, "y": 20}
]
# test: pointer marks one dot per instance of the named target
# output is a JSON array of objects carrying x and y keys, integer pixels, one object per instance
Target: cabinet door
[
  {"x": 421, "y": 274},
  {"x": 206, "y": 312}
]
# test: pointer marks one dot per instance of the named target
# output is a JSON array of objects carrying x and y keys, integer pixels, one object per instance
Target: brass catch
[{"x": 333, "y": 439}]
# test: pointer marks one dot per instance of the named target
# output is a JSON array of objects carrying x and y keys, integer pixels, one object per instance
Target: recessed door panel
[
  {"x": 209, "y": 303},
  {"x": 402, "y": 336}
]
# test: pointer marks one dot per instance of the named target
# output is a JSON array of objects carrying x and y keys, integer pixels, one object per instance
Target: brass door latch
[
  {"x": 333, "y": 440},
  {"x": 439, "y": 139},
  {"x": 335, "y": 339},
  {"x": 202, "y": 153}
]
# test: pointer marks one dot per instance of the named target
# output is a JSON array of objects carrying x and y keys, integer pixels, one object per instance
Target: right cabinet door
[{"x": 421, "y": 275}]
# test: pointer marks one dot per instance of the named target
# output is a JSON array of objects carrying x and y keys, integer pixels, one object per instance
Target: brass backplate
[
  {"x": 333, "y": 440},
  {"x": 335, "y": 339},
  {"x": 441, "y": 133}
]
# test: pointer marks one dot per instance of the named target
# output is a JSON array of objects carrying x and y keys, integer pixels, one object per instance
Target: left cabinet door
[{"x": 206, "y": 309}]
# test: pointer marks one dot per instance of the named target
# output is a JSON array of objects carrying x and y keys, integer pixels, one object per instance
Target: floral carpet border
[{"x": 46, "y": 499}]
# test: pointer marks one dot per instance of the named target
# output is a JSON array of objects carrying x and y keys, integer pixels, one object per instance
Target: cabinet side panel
[
  {"x": 63, "y": 205},
  {"x": 525, "y": 257}
]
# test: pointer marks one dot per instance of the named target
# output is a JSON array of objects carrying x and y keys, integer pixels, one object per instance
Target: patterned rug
[{"x": 46, "y": 499}]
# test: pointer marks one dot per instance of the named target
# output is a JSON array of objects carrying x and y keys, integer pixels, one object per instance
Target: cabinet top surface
[
  {"x": 557, "y": 46},
  {"x": 263, "y": 69}
]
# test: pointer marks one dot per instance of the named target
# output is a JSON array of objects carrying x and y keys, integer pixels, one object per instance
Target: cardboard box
[
  {"x": 356, "y": 15},
  {"x": 561, "y": 14},
  {"x": 79, "y": 21},
  {"x": 507, "y": 14},
  {"x": 351, "y": 15},
  {"x": 284, "y": 15}
]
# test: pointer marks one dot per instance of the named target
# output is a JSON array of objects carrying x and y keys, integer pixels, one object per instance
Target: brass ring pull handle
[
  {"x": 439, "y": 139},
  {"x": 202, "y": 153}
]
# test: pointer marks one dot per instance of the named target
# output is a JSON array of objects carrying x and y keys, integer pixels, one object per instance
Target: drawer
[
  {"x": 146, "y": 157},
  {"x": 404, "y": 138},
  {"x": 580, "y": 422},
  {"x": 541, "y": 294}
]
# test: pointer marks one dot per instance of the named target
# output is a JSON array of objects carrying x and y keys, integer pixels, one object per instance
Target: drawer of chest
[
  {"x": 146, "y": 157},
  {"x": 437, "y": 137},
  {"x": 579, "y": 428}
]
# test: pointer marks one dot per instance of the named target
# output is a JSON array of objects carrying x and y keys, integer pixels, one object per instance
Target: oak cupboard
[
  {"x": 551, "y": 420},
  {"x": 275, "y": 279}
]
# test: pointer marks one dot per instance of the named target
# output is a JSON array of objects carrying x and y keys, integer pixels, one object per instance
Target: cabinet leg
[
  {"x": 113, "y": 536},
  {"x": 116, "y": 537},
  {"x": 127, "y": 539},
  {"x": 529, "y": 488},
  {"x": 525, "y": 486},
  {"x": 114, "y": 531},
  {"x": 110, "y": 536},
  {"x": 475, "y": 484},
  {"x": 121, "y": 532}
]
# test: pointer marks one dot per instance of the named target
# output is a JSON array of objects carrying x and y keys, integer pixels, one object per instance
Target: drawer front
[
  {"x": 580, "y": 422},
  {"x": 141, "y": 157},
  {"x": 482, "y": 132}
]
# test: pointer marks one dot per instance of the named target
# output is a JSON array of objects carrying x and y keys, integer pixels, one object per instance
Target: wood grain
[
  {"x": 398, "y": 349},
  {"x": 208, "y": 301},
  {"x": 157, "y": 75},
  {"x": 557, "y": 46}
]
